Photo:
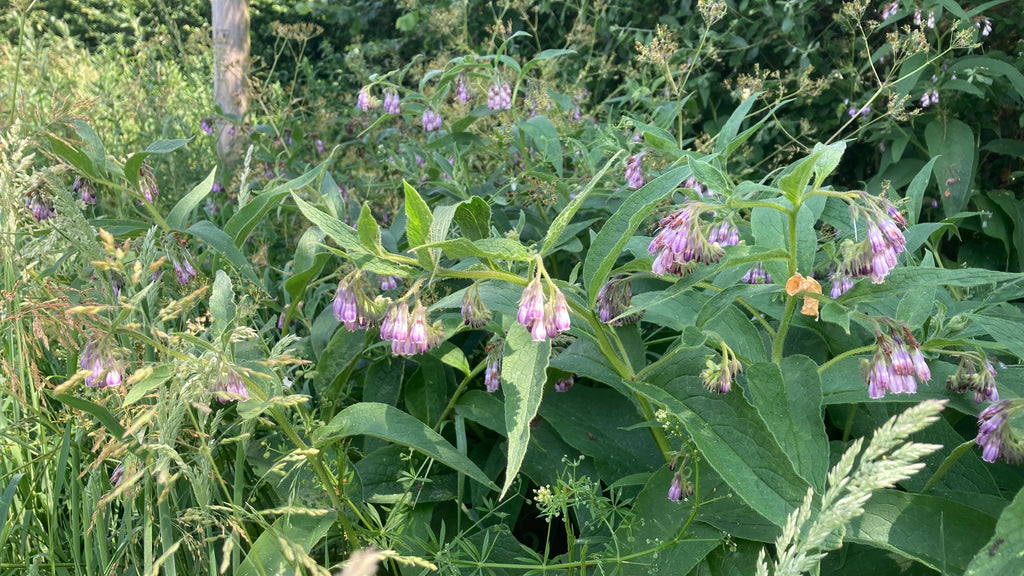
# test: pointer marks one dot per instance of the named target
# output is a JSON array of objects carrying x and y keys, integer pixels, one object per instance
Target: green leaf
[
  {"x": 731, "y": 436},
  {"x": 134, "y": 162},
  {"x": 656, "y": 519},
  {"x": 788, "y": 398},
  {"x": 474, "y": 218},
  {"x": 732, "y": 125},
  {"x": 243, "y": 222},
  {"x": 1006, "y": 330},
  {"x": 426, "y": 390},
  {"x": 901, "y": 280},
  {"x": 267, "y": 555},
  {"x": 160, "y": 374},
  {"x": 75, "y": 157},
  {"x": 369, "y": 231},
  {"x": 93, "y": 146},
  {"x": 109, "y": 421},
  {"x": 344, "y": 348},
  {"x": 953, "y": 142},
  {"x": 1015, "y": 210},
  {"x": 915, "y": 191},
  {"x": 451, "y": 355},
  {"x": 827, "y": 159},
  {"x": 1004, "y": 553},
  {"x": 544, "y": 135},
  {"x": 710, "y": 176},
  {"x": 181, "y": 210},
  {"x": 941, "y": 534},
  {"x": 5, "y": 503},
  {"x": 523, "y": 374},
  {"x": 390, "y": 423},
  {"x": 309, "y": 261},
  {"x": 616, "y": 232},
  {"x": 492, "y": 248},
  {"x": 558, "y": 225},
  {"x": 417, "y": 218},
  {"x": 222, "y": 243},
  {"x": 993, "y": 65},
  {"x": 166, "y": 146},
  {"x": 343, "y": 234},
  {"x": 794, "y": 183},
  {"x": 222, "y": 305}
]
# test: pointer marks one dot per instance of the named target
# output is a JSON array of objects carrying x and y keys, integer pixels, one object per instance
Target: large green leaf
[
  {"x": 616, "y": 232},
  {"x": 113, "y": 426},
  {"x": 788, "y": 398},
  {"x": 474, "y": 218},
  {"x": 222, "y": 304},
  {"x": 939, "y": 533},
  {"x": 344, "y": 348},
  {"x": 731, "y": 436},
  {"x": 732, "y": 126},
  {"x": 915, "y": 191},
  {"x": 390, "y": 423},
  {"x": 418, "y": 218},
  {"x": 267, "y": 555},
  {"x": 492, "y": 248},
  {"x": 901, "y": 280},
  {"x": 953, "y": 142},
  {"x": 1003, "y": 554},
  {"x": 216, "y": 238},
  {"x": 523, "y": 374},
  {"x": 657, "y": 520},
  {"x": 243, "y": 222},
  {"x": 335, "y": 229},
  {"x": 181, "y": 210}
]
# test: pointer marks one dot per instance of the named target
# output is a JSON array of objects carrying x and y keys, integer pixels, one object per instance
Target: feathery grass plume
[{"x": 889, "y": 459}]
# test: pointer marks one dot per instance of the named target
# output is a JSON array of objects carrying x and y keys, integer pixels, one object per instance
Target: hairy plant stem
[
  {"x": 787, "y": 315},
  {"x": 458, "y": 392}
]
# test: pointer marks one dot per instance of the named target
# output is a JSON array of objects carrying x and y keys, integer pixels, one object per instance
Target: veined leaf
[
  {"x": 390, "y": 423},
  {"x": 522, "y": 375},
  {"x": 181, "y": 210}
]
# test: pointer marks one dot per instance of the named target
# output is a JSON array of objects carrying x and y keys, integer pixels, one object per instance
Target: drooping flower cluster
[
  {"x": 995, "y": 435},
  {"x": 147, "y": 183},
  {"x": 431, "y": 120},
  {"x": 352, "y": 306},
  {"x": 718, "y": 376},
  {"x": 896, "y": 366},
  {"x": 919, "y": 17},
  {"x": 757, "y": 275},
  {"x": 105, "y": 371},
  {"x": 890, "y": 10},
  {"x": 698, "y": 187},
  {"x": 876, "y": 255},
  {"x": 614, "y": 298},
  {"x": 40, "y": 206},
  {"x": 499, "y": 96},
  {"x": 984, "y": 25},
  {"x": 462, "y": 93},
  {"x": 409, "y": 332},
  {"x": 365, "y": 101},
  {"x": 929, "y": 97},
  {"x": 969, "y": 377},
  {"x": 85, "y": 190},
  {"x": 680, "y": 488},
  {"x": 206, "y": 125},
  {"x": 565, "y": 384},
  {"x": 392, "y": 103},
  {"x": 635, "y": 171},
  {"x": 681, "y": 244},
  {"x": 474, "y": 313},
  {"x": 229, "y": 386},
  {"x": 492, "y": 374},
  {"x": 184, "y": 272},
  {"x": 389, "y": 282},
  {"x": 544, "y": 318}
]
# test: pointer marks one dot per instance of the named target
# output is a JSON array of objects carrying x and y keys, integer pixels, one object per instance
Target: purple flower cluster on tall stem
[
  {"x": 410, "y": 333},
  {"x": 85, "y": 190},
  {"x": 876, "y": 255},
  {"x": 635, "y": 171},
  {"x": 681, "y": 244},
  {"x": 230, "y": 386},
  {"x": 389, "y": 282},
  {"x": 206, "y": 125},
  {"x": 565, "y": 384},
  {"x": 41, "y": 207},
  {"x": 474, "y": 313},
  {"x": 889, "y": 10},
  {"x": 184, "y": 272},
  {"x": 613, "y": 299},
  {"x": 462, "y": 93},
  {"x": 392, "y": 103},
  {"x": 984, "y": 25},
  {"x": 147, "y": 183},
  {"x": 365, "y": 101},
  {"x": 543, "y": 318},
  {"x": 896, "y": 366},
  {"x": 995, "y": 435},
  {"x": 698, "y": 187},
  {"x": 352, "y": 307},
  {"x": 970, "y": 377},
  {"x": 105, "y": 371},
  {"x": 492, "y": 374},
  {"x": 431, "y": 120},
  {"x": 757, "y": 275},
  {"x": 499, "y": 96}
]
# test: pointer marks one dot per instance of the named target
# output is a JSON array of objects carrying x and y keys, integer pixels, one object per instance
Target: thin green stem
[
  {"x": 845, "y": 354},
  {"x": 780, "y": 336},
  {"x": 458, "y": 392}
]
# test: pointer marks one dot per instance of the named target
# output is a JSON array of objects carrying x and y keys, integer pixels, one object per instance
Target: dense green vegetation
[{"x": 513, "y": 288}]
